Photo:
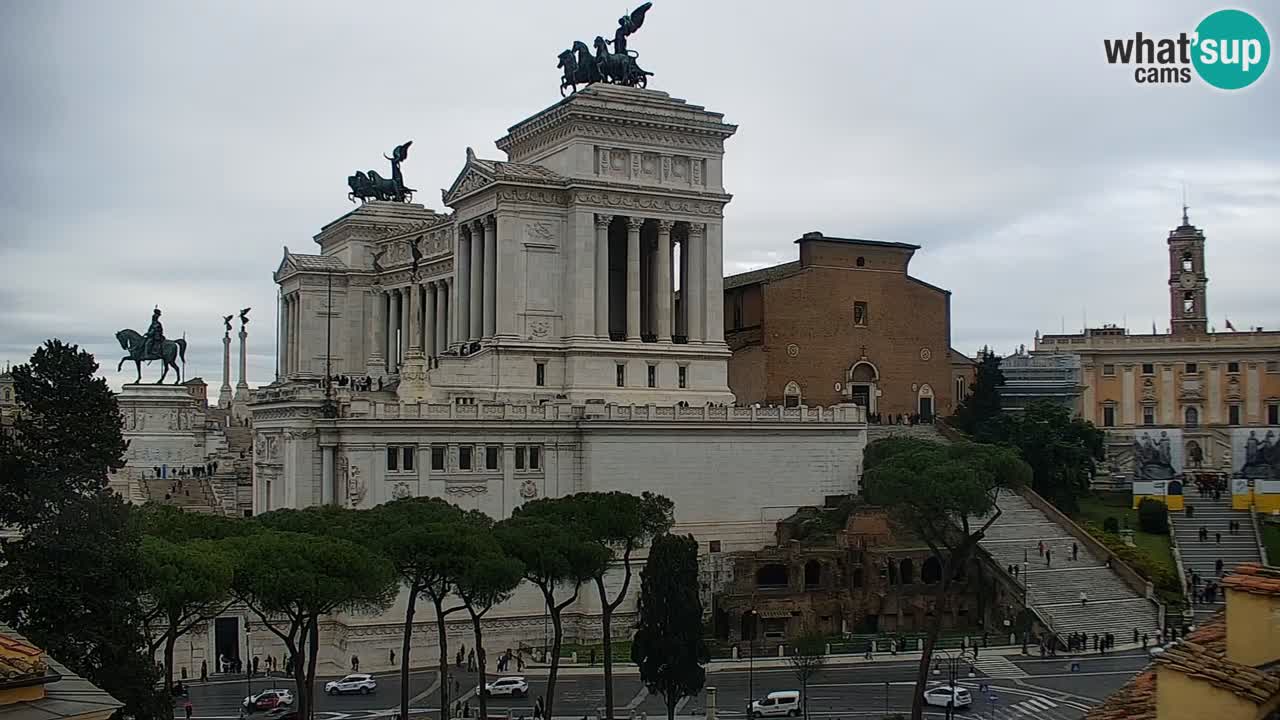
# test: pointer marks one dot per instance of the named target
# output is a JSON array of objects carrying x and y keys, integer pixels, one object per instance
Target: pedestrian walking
[
  {"x": 1191, "y": 510},
  {"x": 255, "y": 664},
  {"x": 1217, "y": 566},
  {"x": 1145, "y": 639},
  {"x": 1217, "y": 537},
  {"x": 204, "y": 671},
  {"x": 1048, "y": 557},
  {"x": 1075, "y": 552},
  {"x": 355, "y": 664},
  {"x": 1040, "y": 545},
  {"x": 1084, "y": 598},
  {"x": 186, "y": 708},
  {"x": 1204, "y": 533},
  {"x": 392, "y": 659}
]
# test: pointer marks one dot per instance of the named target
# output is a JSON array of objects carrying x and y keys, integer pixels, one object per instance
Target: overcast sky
[{"x": 165, "y": 152}]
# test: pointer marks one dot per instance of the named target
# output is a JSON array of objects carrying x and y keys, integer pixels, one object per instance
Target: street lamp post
[
  {"x": 953, "y": 662},
  {"x": 751, "y": 662}
]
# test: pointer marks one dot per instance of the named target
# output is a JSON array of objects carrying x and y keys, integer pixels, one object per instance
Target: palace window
[
  {"x": 491, "y": 457},
  {"x": 621, "y": 371},
  {"x": 791, "y": 395},
  {"x": 1148, "y": 414},
  {"x": 860, "y": 314},
  {"x": 520, "y": 457},
  {"x": 1273, "y": 366},
  {"x": 1192, "y": 368},
  {"x": 464, "y": 457},
  {"x": 1148, "y": 368},
  {"x": 1233, "y": 414},
  {"x": 1233, "y": 367},
  {"x": 1109, "y": 416},
  {"x": 540, "y": 374},
  {"x": 400, "y": 458},
  {"x": 861, "y": 261},
  {"x": 437, "y": 457},
  {"x": 535, "y": 457},
  {"x": 653, "y": 376},
  {"x": 1108, "y": 370},
  {"x": 682, "y": 377},
  {"x": 1187, "y": 264},
  {"x": 1273, "y": 414},
  {"x": 1192, "y": 416},
  {"x": 714, "y": 546}
]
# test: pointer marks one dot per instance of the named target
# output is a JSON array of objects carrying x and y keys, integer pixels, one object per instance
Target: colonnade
[
  {"x": 638, "y": 303},
  {"x": 412, "y": 318}
]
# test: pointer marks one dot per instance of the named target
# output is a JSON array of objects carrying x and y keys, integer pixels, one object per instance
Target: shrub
[
  {"x": 1153, "y": 517},
  {"x": 1111, "y": 525}
]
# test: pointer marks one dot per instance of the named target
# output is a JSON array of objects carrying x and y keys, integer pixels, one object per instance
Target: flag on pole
[
  {"x": 1153, "y": 328},
  {"x": 1230, "y": 326}
]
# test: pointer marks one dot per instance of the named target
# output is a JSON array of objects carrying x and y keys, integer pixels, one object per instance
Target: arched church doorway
[
  {"x": 863, "y": 379},
  {"x": 925, "y": 402}
]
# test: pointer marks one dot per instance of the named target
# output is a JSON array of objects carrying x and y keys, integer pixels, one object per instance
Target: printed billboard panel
[
  {"x": 1255, "y": 453},
  {"x": 1157, "y": 454}
]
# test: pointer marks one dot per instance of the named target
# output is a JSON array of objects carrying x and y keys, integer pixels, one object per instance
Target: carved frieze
[
  {"x": 466, "y": 489},
  {"x": 602, "y": 198},
  {"x": 533, "y": 197}
]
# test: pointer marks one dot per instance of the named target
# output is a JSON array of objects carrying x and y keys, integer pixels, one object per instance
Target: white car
[
  {"x": 357, "y": 683},
  {"x": 514, "y": 686},
  {"x": 944, "y": 695},
  {"x": 268, "y": 699},
  {"x": 777, "y": 704}
]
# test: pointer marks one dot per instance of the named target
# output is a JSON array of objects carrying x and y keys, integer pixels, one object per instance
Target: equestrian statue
[
  {"x": 617, "y": 66},
  {"x": 152, "y": 346},
  {"x": 372, "y": 186}
]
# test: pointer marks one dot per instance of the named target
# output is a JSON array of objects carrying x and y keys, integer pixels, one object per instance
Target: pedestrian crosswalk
[
  {"x": 1031, "y": 708},
  {"x": 998, "y": 666}
]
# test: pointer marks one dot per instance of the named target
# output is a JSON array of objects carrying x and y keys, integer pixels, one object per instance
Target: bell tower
[{"x": 1187, "y": 281}]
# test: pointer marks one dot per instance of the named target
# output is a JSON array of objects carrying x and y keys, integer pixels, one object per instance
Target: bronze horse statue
[{"x": 171, "y": 351}]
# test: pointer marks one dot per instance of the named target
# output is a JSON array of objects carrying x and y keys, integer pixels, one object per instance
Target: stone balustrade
[{"x": 358, "y": 408}]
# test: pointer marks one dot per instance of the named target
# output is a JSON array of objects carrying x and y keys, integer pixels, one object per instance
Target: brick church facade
[{"x": 844, "y": 323}]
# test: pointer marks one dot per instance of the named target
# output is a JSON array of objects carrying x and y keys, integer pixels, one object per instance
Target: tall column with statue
[
  {"x": 242, "y": 387},
  {"x": 224, "y": 393}
]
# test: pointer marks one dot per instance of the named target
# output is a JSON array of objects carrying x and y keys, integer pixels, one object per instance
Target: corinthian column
[
  {"x": 696, "y": 296},
  {"x": 663, "y": 285},
  {"x": 462, "y": 284},
  {"x": 602, "y": 275},
  {"x": 393, "y": 328},
  {"x": 490, "y": 276},
  {"x": 476, "y": 326},
  {"x": 415, "y": 317},
  {"x": 442, "y": 315},
  {"x": 633, "y": 278},
  {"x": 378, "y": 323},
  {"x": 429, "y": 319}
]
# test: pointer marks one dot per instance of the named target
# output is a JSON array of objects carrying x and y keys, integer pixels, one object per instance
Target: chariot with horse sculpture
[
  {"x": 372, "y": 186},
  {"x": 617, "y": 66},
  {"x": 152, "y": 346}
]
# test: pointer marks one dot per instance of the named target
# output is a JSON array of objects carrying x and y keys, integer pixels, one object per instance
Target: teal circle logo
[{"x": 1232, "y": 49}]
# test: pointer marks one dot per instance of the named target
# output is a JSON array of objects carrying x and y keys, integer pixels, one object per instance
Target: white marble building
[{"x": 560, "y": 331}]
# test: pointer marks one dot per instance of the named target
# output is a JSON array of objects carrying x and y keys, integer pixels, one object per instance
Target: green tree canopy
[
  {"x": 183, "y": 584},
  {"x": 289, "y": 580},
  {"x": 946, "y": 495},
  {"x": 1061, "y": 449},
  {"x": 668, "y": 645},
  {"x": 490, "y": 577},
  {"x": 983, "y": 401}
]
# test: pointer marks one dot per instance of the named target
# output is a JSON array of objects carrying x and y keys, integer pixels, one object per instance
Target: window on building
[
  {"x": 535, "y": 457},
  {"x": 1233, "y": 414},
  {"x": 860, "y": 314},
  {"x": 406, "y": 457},
  {"x": 464, "y": 457},
  {"x": 737, "y": 310},
  {"x": 1108, "y": 370},
  {"x": 653, "y": 376},
  {"x": 682, "y": 377},
  {"x": 791, "y": 395},
  {"x": 1273, "y": 414},
  {"x": 1148, "y": 368},
  {"x": 393, "y": 459},
  {"x": 437, "y": 457},
  {"x": 540, "y": 374},
  {"x": 520, "y": 457},
  {"x": 861, "y": 261},
  {"x": 1109, "y": 416},
  {"x": 1188, "y": 302},
  {"x": 491, "y": 457},
  {"x": 621, "y": 371},
  {"x": 8, "y": 395},
  {"x": 1187, "y": 263},
  {"x": 960, "y": 395},
  {"x": 1192, "y": 368},
  {"x": 1192, "y": 417},
  {"x": 1148, "y": 414},
  {"x": 1273, "y": 366},
  {"x": 1233, "y": 367},
  {"x": 715, "y": 546}
]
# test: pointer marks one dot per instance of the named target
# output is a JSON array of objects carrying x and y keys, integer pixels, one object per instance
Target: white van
[{"x": 776, "y": 704}]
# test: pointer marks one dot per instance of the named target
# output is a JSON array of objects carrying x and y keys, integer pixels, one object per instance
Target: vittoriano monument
[
  {"x": 152, "y": 346},
  {"x": 618, "y": 67},
  {"x": 372, "y": 186}
]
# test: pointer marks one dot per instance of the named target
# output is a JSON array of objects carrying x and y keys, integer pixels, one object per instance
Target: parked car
[
  {"x": 776, "y": 704},
  {"x": 514, "y": 686},
  {"x": 944, "y": 695},
  {"x": 357, "y": 683},
  {"x": 268, "y": 699},
  {"x": 281, "y": 713}
]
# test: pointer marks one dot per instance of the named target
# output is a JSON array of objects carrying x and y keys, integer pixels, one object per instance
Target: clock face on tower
[{"x": 1188, "y": 280}]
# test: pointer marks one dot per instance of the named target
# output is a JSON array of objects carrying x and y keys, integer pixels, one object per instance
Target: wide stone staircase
[
  {"x": 190, "y": 494},
  {"x": 1053, "y": 589},
  {"x": 1202, "y": 557}
]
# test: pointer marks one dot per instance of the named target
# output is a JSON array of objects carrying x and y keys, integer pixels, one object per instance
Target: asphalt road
[{"x": 1021, "y": 687}]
